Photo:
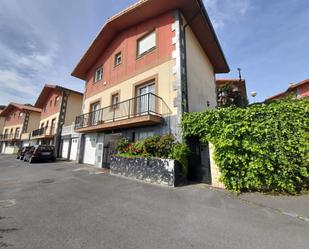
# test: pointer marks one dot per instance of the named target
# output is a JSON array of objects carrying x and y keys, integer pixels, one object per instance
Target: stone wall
[{"x": 152, "y": 170}]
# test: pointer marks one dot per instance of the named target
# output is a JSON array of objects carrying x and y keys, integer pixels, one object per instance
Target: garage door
[
  {"x": 65, "y": 148},
  {"x": 90, "y": 149},
  {"x": 74, "y": 146}
]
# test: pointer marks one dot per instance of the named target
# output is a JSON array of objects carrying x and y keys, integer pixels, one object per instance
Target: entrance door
[
  {"x": 199, "y": 162},
  {"x": 146, "y": 101},
  {"x": 90, "y": 149},
  {"x": 95, "y": 113},
  {"x": 65, "y": 148},
  {"x": 74, "y": 147},
  {"x": 109, "y": 149}
]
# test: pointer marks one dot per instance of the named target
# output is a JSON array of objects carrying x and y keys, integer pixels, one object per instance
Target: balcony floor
[{"x": 138, "y": 121}]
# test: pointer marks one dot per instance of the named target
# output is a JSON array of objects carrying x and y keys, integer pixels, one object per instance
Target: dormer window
[
  {"x": 146, "y": 44},
  {"x": 98, "y": 75},
  {"x": 118, "y": 59}
]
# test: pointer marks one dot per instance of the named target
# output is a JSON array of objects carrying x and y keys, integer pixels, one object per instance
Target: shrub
[
  {"x": 122, "y": 145},
  {"x": 261, "y": 147},
  {"x": 180, "y": 152},
  {"x": 150, "y": 145},
  {"x": 136, "y": 148},
  {"x": 164, "y": 146}
]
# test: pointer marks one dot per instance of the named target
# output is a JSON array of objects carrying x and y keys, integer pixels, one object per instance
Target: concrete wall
[
  {"x": 74, "y": 108},
  {"x": 201, "y": 76},
  {"x": 214, "y": 169}
]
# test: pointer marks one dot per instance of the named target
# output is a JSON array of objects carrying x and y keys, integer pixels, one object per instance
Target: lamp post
[{"x": 253, "y": 94}]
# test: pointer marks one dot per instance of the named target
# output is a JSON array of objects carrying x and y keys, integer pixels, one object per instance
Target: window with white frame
[
  {"x": 118, "y": 59},
  {"x": 146, "y": 43},
  {"x": 98, "y": 75}
]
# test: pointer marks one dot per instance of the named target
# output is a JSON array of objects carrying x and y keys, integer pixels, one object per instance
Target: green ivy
[{"x": 258, "y": 148}]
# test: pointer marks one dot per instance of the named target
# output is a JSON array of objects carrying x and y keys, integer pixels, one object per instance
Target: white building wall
[{"x": 200, "y": 75}]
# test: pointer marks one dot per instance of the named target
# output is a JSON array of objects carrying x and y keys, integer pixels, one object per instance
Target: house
[
  {"x": 148, "y": 65},
  {"x": 59, "y": 107},
  {"x": 2, "y": 107},
  {"x": 236, "y": 87},
  {"x": 19, "y": 121},
  {"x": 298, "y": 90}
]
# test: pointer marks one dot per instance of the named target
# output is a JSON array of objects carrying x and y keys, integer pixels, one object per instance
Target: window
[
  {"x": 146, "y": 43},
  {"x": 21, "y": 114},
  {"x": 98, "y": 74},
  {"x": 57, "y": 99},
  {"x": 115, "y": 100},
  {"x": 118, "y": 59}
]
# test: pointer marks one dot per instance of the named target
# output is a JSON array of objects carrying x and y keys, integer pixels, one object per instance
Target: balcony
[
  {"x": 148, "y": 109},
  {"x": 44, "y": 133},
  {"x": 10, "y": 137}
]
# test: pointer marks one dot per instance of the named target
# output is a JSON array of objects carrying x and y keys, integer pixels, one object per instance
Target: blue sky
[{"x": 41, "y": 41}]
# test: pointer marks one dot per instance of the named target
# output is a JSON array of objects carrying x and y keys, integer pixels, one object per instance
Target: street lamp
[{"x": 253, "y": 94}]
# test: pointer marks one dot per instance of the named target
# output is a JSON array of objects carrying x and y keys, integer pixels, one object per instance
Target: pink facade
[
  {"x": 126, "y": 43},
  {"x": 52, "y": 104},
  {"x": 14, "y": 117}
]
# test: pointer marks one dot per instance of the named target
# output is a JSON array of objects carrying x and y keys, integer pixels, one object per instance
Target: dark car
[
  {"x": 22, "y": 151},
  {"x": 40, "y": 153}
]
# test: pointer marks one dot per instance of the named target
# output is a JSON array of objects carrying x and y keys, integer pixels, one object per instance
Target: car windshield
[{"x": 46, "y": 148}]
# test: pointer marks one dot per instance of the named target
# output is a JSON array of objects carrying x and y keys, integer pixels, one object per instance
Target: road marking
[{"x": 7, "y": 203}]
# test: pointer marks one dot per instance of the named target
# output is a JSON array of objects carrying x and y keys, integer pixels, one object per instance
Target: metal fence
[{"x": 147, "y": 104}]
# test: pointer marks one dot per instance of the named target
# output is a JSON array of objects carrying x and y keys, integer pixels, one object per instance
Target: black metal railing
[
  {"x": 147, "y": 104},
  {"x": 13, "y": 136},
  {"x": 44, "y": 131}
]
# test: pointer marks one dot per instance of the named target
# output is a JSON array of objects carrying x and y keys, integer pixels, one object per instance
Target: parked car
[
  {"x": 40, "y": 153},
  {"x": 22, "y": 151}
]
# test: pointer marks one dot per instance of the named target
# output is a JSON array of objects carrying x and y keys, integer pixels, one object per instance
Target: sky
[{"x": 41, "y": 41}]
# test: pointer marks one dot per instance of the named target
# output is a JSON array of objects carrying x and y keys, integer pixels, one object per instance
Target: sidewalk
[{"x": 296, "y": 206}]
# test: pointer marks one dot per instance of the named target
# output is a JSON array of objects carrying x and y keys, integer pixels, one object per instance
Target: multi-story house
[
  {"x": 298, "y": 90},
  {"x": 19, "y": 121},
  {"x": 2, "y": 107},
  {"x": 59, "y": 107},
  {"x": 148, "y": 65}
]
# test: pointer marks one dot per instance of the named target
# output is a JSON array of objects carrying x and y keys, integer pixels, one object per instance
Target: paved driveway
[{"x": 67, "y": 206}]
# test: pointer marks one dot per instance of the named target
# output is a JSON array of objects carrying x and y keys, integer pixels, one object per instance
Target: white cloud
[{"x": 222, "y": 11}]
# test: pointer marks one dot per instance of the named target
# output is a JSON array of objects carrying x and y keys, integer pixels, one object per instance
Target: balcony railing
[
  {"x": 148, "y": 104},
  {"x": 44, "y": 131},
  {"x": 7, "y": 137}
]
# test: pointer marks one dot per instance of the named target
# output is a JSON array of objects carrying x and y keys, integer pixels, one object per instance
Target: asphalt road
[{"x": 67, "y": 206}]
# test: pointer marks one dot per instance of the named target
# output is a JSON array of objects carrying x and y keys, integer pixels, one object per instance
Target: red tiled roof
[
  {"x": 45, "y": 92},
  {"x": 291, "y": 87},
  {"x": 20, "y": 107}
]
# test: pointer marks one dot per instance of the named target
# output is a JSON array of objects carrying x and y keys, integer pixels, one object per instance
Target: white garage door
[
  {"x": 74, "y": 146},
  {"x": 90, "y": 149},
  {"x": 65, "y": 148}
]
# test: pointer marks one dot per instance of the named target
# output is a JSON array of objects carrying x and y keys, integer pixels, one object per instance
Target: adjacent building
[
  {"x": 19, "y": 121},
  {"x": 232, "y": 90},
  {"x": 148, "y": 65},
  {"x": 298, "y": 90},
  {"x": 59, "y": 107}
]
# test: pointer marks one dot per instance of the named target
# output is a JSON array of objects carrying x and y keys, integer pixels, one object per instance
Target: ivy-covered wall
[{"x": 261, "y": 147}]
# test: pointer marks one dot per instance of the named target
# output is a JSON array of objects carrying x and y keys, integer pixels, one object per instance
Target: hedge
[{"x": 258, "y": 148}]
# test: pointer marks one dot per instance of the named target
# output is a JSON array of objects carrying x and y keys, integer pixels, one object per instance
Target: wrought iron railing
[
  {"x": 44, "y": 131},
  {"x": 147, "y": 104}
]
